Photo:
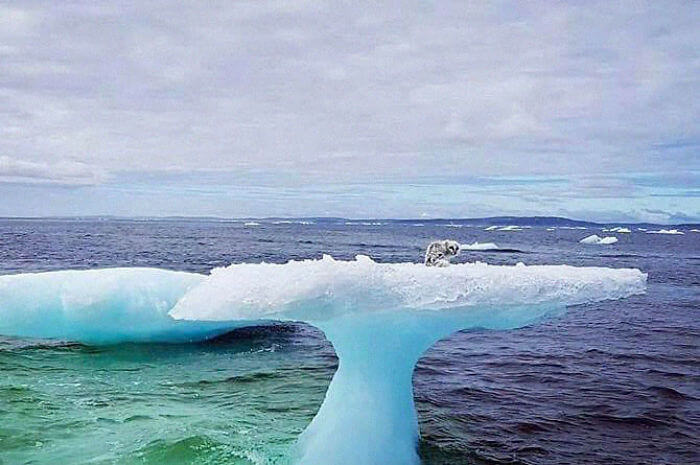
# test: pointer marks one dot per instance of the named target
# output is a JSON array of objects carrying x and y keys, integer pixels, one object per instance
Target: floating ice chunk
[
  {"x": 511, "y": 228},
  {"x": 595, "y": 239},
  {"x": 491, "y": 228},
  {"x": 138, "y": 303},
  {"x": 479, "y": 246},
  {"x": 695, "y": 230},
  {"x": 666, "y": 231},
  {"x": 618, "y": 229},
  {"x": 99, "y": 306},
  {"x": 251, "y": 223}
]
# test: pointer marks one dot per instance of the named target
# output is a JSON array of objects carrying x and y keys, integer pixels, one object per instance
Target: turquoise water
[{"x": 242, "y": 399}]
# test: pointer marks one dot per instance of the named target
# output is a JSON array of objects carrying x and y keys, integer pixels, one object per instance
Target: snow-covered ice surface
[{"x": 479, "y": 246}]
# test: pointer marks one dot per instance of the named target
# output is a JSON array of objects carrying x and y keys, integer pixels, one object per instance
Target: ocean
[{"x": 609, "y": 382}]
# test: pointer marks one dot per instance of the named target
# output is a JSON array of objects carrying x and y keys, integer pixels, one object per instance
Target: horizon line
[{"x": 244, "y": 218}]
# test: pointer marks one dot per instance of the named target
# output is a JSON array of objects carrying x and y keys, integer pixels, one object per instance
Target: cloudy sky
[{"x": 357, "y": 109}]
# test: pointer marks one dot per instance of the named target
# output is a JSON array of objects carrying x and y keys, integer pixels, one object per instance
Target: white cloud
[{"x": 61, "y": 172}]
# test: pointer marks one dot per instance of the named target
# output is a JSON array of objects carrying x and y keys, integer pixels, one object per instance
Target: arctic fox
[{"x": 439, "y": 253}]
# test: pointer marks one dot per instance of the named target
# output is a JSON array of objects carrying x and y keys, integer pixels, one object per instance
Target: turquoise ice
[{"x": 380, "y": 318}]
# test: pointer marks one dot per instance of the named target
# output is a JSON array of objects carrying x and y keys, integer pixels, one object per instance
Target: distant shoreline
[{"x": 486, "y": 221}]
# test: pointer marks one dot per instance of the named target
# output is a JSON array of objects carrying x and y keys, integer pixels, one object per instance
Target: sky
[{"x": 407, "y": 109}]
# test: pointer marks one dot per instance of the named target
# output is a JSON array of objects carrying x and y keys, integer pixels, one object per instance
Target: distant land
[{"x": 544, "y": 221}]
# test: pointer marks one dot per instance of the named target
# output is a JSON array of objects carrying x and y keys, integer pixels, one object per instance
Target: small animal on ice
[{"x": 439, "y": 253}]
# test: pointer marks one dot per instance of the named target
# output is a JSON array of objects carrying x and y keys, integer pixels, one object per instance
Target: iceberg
[
  {"x": 595, "y": 239},
  {"x": 510, "y": 228},
  {"x": 618, "y": 229},
  {"x": 380, "y": 318},
  {"x": 666, "y": 231},
  {"x": 479, "y": 246}
]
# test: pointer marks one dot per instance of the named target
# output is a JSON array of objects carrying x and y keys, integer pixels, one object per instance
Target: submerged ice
[{"x": 380, "y": 318}]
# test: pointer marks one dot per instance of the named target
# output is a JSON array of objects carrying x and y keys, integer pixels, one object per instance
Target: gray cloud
[{"x": 339, "y": 92}]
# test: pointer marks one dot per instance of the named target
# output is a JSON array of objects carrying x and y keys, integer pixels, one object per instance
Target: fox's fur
[{"x": 439, "y": 253}]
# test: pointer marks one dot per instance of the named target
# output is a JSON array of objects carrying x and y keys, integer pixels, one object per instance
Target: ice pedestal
[{"x": 368, "y": 416}]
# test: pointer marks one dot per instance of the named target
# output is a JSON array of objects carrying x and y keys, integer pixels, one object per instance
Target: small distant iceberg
[
  {"x": 479, "y": 246},
  {"x": 595, "y": 239},
  {"x": 695, "y": 230},
  {"x": 510, "y": 228},
  {"x": 666, "y": 231},
  {"x": 550, "y": 229},
  {"x": 292, "y": 222},
  {"x": 618, "y": 229},
  {"x": 453, "y": 225},
  {"x": 491, "y": 228},
  {"x": 251, "y": 223}
]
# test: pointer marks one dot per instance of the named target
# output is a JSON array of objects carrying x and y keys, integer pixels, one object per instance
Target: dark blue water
[{"x": 614, "y": 383}]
